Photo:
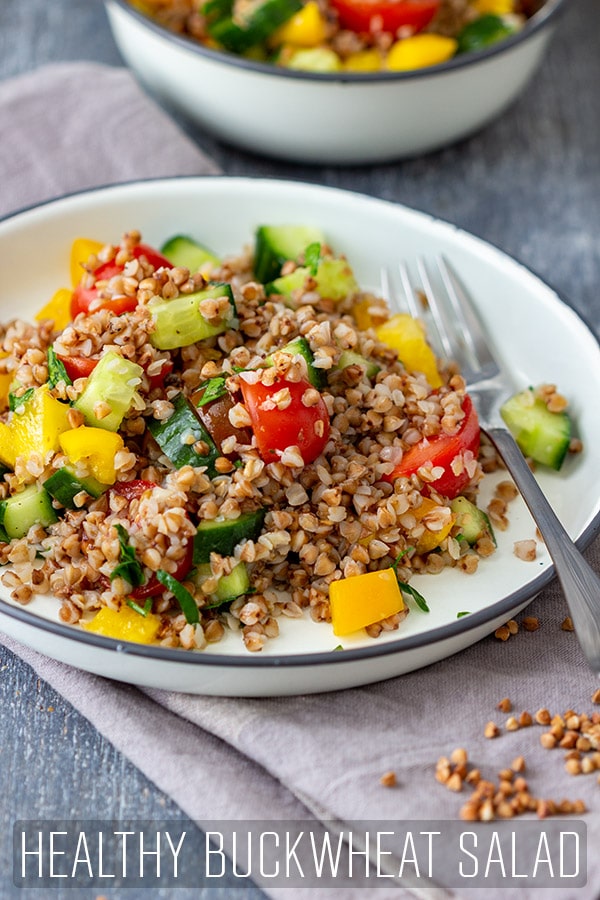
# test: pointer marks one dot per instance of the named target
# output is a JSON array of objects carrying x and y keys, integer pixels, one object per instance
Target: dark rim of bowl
[
  {"x": 404, "y": 644},
  {"x": 541, "y": 19}
]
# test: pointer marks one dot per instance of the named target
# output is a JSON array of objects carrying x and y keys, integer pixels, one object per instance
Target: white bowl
[
  {"x": 330, "y": 118},
  {"x": 537, "y": 336}
]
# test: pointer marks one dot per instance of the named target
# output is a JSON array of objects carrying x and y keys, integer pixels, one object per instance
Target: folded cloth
[{"x": 319, "y": 756}]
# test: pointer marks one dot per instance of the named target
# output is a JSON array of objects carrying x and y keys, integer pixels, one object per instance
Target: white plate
[{"x": 539, "y": 337}]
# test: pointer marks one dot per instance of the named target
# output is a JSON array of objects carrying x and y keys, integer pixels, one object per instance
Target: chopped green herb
[
  {"x": 413, "y": 592},
  {"x": 182, "y": 595},
  {"x": 394, "y": 565},
  {"x": 129, "y": 568},
  {"x": 461, "y": 614},
  {"x": 142, "y": 610},
  {"x": 15, "y": 402},
  {"x": 213, "y": 389},
  {"x": 459, "y": 537},
  {"x": 312, "y": 256},
  {"x": 339, "y": 647},
  {"x": 56, "y": 370}
]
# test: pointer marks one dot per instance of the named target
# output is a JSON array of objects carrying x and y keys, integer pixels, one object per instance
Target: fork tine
[
  {"x": 452, "y": 348},
  {"x": 476, "y": 344},
  {"x": 409, "y": 293}
]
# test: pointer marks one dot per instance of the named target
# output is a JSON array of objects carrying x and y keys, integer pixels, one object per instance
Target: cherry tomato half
[
  {"x": 132, "y": 490},
  {"x": 386, "y": 15},
  {"x": 83, "y": 297},
  {"x": 78, "y": 366},
  {"x": 442, "y": 450},
  {"x": 306, "y": 427}
]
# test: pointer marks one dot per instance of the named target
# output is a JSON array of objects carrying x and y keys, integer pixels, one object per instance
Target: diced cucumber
[
  {"x": 113, "y": 382},
  {"x": 177, "y": 436},
  {"x": 314, "y": 59},
  {"x": 482, "y": 32},
  {"x": 349, "y": 358},
  {"x": 222, "y": 536},
  {"x": 179, "y": 322},
  {"x": 185, "y": 251},
  {"x": 542, "y": 435},
  {"x": 300, "y": 347},
  {"x": 251, "y": 23},
  {"x": 334, "y": 280},
  {"x": 471, "y": 521},
  {"x": 64, "y": 485},
  {"x": 229, "y": 586},
  {"x": 275, "y": 244},
  {"x": 32, "y": 506}
]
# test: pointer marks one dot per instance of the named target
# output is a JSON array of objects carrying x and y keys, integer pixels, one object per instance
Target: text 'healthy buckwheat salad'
[{"x": 192, "y": 445}]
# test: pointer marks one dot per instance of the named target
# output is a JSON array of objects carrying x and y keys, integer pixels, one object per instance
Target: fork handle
[{"x": 581, "y": 585}]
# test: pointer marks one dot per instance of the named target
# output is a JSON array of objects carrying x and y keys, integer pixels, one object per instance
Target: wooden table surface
[{"x": 529, "y": 183}]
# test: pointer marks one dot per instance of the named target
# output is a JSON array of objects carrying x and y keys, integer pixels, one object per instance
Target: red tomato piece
[
  {"x": 386, "y": 15},
  {"x": 158, "y": 379},
  {"x": 153, "y": 586},
  {"x": 155, "y": 258},
  {"x": 442, "y": 450},
  {"x": 78, "y": 366},
  {"x": 133, "y": 490},
  {"x": 306, "y": 427},
  {"x": 83, "y": 297}
]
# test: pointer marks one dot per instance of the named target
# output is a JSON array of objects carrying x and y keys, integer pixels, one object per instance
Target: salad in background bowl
[{"x": 358, "y": 97}]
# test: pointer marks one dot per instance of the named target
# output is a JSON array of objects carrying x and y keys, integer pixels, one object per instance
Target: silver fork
[{"x": 462, "y": 338}]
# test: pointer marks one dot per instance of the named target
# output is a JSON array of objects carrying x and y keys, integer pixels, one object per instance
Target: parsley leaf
[
  {"x": 142, "y": 610},
  {"x": 394, "y": 565},
  {"x": 182, "y": 595},
  {"x": 128, "y": 568},
  {"x": 461, "y": 614},
  {"x": 56, "y": 370},
  {"x": 413, "y": 592},
  {"x": 312, "y": 256},
  {"x": 213, "y": 389},
  {"x": 15, "y": 402}
]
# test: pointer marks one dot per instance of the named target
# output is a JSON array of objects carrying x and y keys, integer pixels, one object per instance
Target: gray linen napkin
[{"x": 292, "y": 757}]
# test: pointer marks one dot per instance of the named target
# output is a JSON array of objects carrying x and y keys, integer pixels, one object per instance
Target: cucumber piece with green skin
[
  {"x": 275, "y": 244},
  {"x": 300, "y": 347},
  {"x": 179, "y": 322},
  {"x": 471, "y": 521},
  {"x": 313, "y": 59},
  {"x": 252, "y": 23},
  {"x": 482, "y": 32},
  {"x": 236, "y": 584},
  {"x": 542, "y": 435},
  {"x": 18, "y": 513},
  {"x": 64, "y": 486},
  {"x": 177, "y": 436},
  {"x": 349, "y": 358},
  {"x": 114, "y": 382},
  {"x": 222, "y": 536},
  {"x": 334, "y": 280},
  {"x": 184, "y": 251}
]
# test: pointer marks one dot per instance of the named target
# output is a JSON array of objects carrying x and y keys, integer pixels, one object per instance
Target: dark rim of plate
[
  {"x": 404, "y": 644},
  {"x": 541, "y": 19}
]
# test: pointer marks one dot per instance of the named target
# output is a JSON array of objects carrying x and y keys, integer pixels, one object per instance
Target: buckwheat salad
[{"x": 192, "y": 445}]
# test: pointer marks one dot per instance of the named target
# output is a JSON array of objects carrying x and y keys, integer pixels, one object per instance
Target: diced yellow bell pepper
[
  {"x": 7, "y": 446},
  {"x": 407, "y": 336},
  {"x": 429, "y": 540},
  {"x": 420, "y": 51},
  {"x": 363, "y": 61},
  {"x": 5, "y": 383},
  {"x": 125, "y": 625},
  {"x": 38, "y": 427},
  {"x": 361, "y": 313},
  {"x": 58, "y": 309},
  {"x": 494, "y": 7},
  {"x": 81, "y": 250},
  {"x": 364, "y": 599},
  {"x": 307, "y": 28},
  {"x": 96, "y": 446}
]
